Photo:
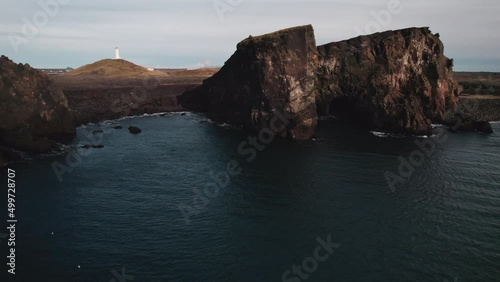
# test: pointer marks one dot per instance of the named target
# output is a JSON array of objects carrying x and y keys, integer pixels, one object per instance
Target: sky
[{"x": 197, "y": 33}]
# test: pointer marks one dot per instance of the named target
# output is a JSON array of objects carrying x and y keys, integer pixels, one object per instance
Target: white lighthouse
[{"x": 117, "y": 53}]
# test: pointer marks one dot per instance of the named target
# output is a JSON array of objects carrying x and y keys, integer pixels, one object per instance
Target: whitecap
[{"x": 380, "y": 134}]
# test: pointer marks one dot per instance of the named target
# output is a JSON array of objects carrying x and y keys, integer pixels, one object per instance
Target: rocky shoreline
[
  {"x": 34, "y": 113},
  {"x": 395, "y": 81}
]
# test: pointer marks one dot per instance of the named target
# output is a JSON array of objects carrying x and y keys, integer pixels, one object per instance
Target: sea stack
[
  {"x": 395, "y": 81},
  {"x": 268, "y": 75}
]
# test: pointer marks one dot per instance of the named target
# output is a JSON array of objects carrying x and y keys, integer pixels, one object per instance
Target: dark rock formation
[
  {"x": 134, "y": 130},
  {"x": 482, "y": 127},
  {"x": 33, "y": 113},
  {"x": 95, "y": 105},
  {"x": 97, "y": 131},
  {"x": 268, "y": 75},
  {"x": 113, "y": 89},
  {"x": 397, "y": 81},
  {"x": 117, "y": 127},
  {"x": 464, "y": 122},
  {"x": 87, "y": 146}
]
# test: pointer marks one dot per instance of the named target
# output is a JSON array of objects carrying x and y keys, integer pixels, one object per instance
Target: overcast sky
[{"x": 190, "y": 33}]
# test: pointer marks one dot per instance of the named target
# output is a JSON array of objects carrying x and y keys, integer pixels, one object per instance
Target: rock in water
[
  {"x": 269, "y": 75},
  {"x": 134, "y": 130},
  {"x": 395, "y": 81},
  {"x": 465, "y": 122},
  {"x": 483, "y": 127},
  {"x": 32, "y": 112}
]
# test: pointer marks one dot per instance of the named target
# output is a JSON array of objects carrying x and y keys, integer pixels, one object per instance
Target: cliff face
[
  {"x": 32, "y": 112},
  {"x": 394, "y": 81},
  {"x": 95, "y": 105},
  {"x": 397, "y": 81},
  {"x": 268, "y": 75}
]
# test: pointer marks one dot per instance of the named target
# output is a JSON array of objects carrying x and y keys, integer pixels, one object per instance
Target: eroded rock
[
  {"x": 395, "y": 81},
  {"x": 268, "y": 75},
  {"x": 134, "y": 130},
  {"x": 33, "y": 113}
]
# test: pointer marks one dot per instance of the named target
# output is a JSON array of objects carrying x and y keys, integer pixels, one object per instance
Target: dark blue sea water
[{"x": 116, "y": 216}]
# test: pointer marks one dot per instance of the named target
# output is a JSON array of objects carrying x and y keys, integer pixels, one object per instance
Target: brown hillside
[{"x": 112, "y": 68}]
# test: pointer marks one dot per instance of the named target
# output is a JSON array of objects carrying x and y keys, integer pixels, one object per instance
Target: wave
[
  {"x": 396, "y": 135},
  {"x": 160, "y": 114}
]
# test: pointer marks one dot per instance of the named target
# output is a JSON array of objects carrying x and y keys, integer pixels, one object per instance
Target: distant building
[{"x": 117, "y": 53}]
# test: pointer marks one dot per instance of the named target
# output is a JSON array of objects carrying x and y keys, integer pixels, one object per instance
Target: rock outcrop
[
  {"x": 396, "y": 81},
  {"x": 268, "y": 75},
  {"x": 134, "y": 130},
  {"x": 464, "y": 122},
  {"x": 32, "y": 111}
]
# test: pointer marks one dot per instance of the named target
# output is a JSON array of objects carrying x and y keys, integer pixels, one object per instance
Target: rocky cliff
[
  {"x": 32, "y": 112},
  {"x": 268, "y": 75},
  {"x": 395, "y": 81}
]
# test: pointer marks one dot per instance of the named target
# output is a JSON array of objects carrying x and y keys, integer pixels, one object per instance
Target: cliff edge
[
  {"x": 33, "y": 113},
  {"x": 395, "y": 81},
  {"x": 268, "y": 75}
]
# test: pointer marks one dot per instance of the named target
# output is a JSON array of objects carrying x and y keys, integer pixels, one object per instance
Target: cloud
[{"x": 181, "y": 33}]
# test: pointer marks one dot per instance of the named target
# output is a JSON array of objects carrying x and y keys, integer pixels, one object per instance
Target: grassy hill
[{"x": 112, "y": 68}]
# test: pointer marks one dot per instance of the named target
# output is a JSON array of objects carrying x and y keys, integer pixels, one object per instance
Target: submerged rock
[
  {"x": 395, "y": 81},
  {"x": 97, "y": 131},
  {"x": 118, "y": 127},
  {"x": 134, "y": 130},
  {"x": 88, "y": 146}
]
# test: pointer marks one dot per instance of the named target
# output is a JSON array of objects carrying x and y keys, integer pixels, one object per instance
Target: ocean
[{"x": 190, "y": 200}]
